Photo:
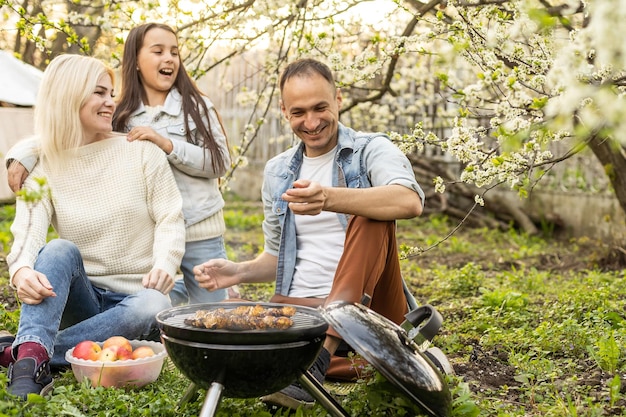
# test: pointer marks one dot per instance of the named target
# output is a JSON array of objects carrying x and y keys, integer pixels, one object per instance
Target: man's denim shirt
[{"x": 363, "y": 160}]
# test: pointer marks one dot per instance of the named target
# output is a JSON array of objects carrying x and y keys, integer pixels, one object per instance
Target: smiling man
[{"x": 330, "y": 207}]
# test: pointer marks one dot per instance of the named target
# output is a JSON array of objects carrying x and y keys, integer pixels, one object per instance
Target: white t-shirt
[{"x": 319, "y": 238}]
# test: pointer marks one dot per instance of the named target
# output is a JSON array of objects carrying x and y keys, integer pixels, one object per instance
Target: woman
[{"x": 118, "y": 214}]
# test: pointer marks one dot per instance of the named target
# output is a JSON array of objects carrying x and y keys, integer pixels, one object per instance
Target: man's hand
[
  {"x": 158, "y": 280},
  {"x": 216, "y": 274},
  {"x": 32, "y": 286},
  {"x": 16, "y": 175},
  {"x": 307, "y": 197}
]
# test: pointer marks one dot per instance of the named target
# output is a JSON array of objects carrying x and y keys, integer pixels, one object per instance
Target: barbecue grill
[{"x": 253, "y": 363}]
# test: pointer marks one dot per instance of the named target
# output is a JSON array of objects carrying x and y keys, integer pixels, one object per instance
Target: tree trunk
[{"x": 613, "y": 158}]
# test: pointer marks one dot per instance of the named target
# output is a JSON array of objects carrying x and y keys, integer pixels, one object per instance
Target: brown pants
[{"x": 369, "y": 265}]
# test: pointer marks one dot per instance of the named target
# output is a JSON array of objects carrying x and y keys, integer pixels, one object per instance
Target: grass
[{"x": 533, "y": 326}]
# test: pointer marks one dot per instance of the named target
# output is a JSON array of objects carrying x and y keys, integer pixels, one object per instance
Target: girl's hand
[
  {"x": 147, "y": 133},
  {"x": 16, "y": 175}
]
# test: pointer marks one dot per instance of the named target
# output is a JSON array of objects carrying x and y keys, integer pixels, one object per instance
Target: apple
[
  {"x": 108, "y": 354},
  {"x": 123, "y": 354},
  {"x": 118, "y": 342},
  {"x": 143, "y": 352},
  {"x": 87, "y": 349}
]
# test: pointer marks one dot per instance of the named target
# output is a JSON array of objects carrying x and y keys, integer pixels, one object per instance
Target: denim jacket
[
  {"x": 197, "y": 182},
  {"x": 362, "y": 160}
]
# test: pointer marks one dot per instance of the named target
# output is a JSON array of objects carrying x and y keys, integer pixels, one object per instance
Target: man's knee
[{"x": 363, "y": 226}]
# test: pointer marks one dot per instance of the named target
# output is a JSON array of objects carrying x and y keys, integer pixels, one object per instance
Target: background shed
[{"x": 19, "y": 83}]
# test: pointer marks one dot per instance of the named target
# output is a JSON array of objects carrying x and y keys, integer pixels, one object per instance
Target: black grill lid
[
  {"x": 308, "y": 324},
  {"x": 387, "y": 347}
]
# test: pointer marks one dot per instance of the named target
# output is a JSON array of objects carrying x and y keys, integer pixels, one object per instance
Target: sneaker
[
  {"x": 294, "y": 395},
  {"x": 6, "y": 341},
  {"x": 25, "y": 377}
]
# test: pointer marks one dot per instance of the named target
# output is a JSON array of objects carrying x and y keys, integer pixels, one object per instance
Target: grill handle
[{"x": 422, "y": 325}]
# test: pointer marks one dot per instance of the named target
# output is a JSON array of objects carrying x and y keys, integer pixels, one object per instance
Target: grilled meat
[{"x": 243, "y": 318}]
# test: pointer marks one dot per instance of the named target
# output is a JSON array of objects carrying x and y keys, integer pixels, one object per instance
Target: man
[{"x": 330, "y": 207}]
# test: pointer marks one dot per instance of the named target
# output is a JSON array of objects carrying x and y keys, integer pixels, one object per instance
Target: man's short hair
[{"x": 306, "y": 67}]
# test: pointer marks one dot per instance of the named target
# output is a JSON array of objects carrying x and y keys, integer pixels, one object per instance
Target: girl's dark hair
[{"x": 193, "y": 104}]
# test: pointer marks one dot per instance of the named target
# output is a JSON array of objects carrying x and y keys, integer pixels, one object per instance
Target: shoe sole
[
  {"x": 44, "y": 391},
  {"x": 281, "y": 400},
  {"x": 47, "y": 389}
]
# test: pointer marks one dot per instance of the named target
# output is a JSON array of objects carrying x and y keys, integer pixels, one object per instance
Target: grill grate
[
  {"x": 300, "y": 321},
  {"x": 307, "y": 323}
]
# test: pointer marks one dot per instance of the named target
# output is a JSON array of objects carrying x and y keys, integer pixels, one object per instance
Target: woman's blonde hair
[{"x": 67, "y": 83}]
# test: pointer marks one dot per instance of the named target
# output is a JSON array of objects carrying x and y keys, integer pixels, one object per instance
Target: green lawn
[{"x": 533, "y": 327}]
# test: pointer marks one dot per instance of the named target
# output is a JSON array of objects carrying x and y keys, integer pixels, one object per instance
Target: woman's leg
[
  {"x": 62, "y": 264},
  {"x": 195, "y": 254}
]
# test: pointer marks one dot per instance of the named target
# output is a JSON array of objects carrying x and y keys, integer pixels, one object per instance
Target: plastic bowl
[{"x": 120, "y": 373}]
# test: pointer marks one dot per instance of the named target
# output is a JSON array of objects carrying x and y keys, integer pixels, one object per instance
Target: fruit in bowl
[
  {"x": 115, "y": 365},
  {"x": 87, "y": 350}
]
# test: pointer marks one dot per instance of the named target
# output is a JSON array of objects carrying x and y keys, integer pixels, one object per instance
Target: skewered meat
[{"x": 243, "y": 318}]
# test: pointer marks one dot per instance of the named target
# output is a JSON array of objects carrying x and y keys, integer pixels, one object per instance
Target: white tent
[{"x": 19, "y": 81}]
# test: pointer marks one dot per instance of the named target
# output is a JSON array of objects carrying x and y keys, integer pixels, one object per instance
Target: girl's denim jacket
[
  {"x": 191, "y": 164},
  {"x": 362, "y": 160}
]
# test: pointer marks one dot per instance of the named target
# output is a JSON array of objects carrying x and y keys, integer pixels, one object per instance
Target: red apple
[
  {"x": 143, "y": 352},
  {"x": 108, "y": 354},
  {"x": 124, "y": 354},
  {"x": 117, "y": 341},
  {"x": 87, "y": 349}
]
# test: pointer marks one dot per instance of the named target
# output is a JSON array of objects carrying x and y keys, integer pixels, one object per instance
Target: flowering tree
[{"x": 491, "y": 83}]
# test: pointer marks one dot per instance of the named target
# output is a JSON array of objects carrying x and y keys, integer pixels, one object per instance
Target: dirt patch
[
  {"x": 7, "y": 298},
  {"x": 487, "y": 370}
]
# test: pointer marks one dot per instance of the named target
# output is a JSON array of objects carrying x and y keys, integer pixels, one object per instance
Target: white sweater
[{"x": 118, "y": 202}]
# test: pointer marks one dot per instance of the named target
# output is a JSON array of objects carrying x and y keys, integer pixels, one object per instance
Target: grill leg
[
  {"x": 190, "y": 394},
  {"x": 322, "y": 396},
  {"x": 212, "y": 400}
]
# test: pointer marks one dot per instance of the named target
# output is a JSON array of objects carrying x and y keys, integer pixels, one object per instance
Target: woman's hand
[
  {"x": 32, "y": 286},
  {"x": 159, "y": 280}
]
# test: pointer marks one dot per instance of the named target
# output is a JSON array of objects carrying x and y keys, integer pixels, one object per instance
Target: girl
[{"x": 160, "y": 103}]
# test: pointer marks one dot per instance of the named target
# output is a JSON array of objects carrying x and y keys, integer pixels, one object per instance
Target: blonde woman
[{"x": 118, "y": 214}]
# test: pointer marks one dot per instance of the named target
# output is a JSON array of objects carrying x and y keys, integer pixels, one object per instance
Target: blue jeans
[
  {"x": 187, "y": 290},
  {"x": 81, "y": 311}
]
